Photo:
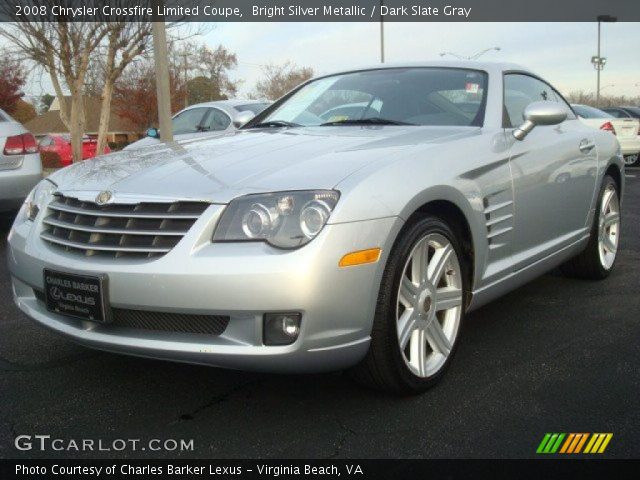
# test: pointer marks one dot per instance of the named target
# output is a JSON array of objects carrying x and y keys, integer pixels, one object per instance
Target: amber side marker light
[{"x": 360, "y": 257}]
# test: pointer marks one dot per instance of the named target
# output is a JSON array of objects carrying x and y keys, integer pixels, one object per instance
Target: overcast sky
[{"x": 560, "y": 52}]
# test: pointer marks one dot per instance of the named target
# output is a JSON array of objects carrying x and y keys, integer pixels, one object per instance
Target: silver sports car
[{"x": 351, "y": 225}]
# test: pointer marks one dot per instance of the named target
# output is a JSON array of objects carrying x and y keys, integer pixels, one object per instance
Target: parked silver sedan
[
  {"x": 306, "y": 243},
  {"x": 209, "y": 118},
  {"x": 20, "y": 165}
]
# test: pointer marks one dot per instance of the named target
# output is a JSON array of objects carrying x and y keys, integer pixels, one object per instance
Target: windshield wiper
[
  {"x": 275, "y": 123},
  {"x": 366, "y": 121}
]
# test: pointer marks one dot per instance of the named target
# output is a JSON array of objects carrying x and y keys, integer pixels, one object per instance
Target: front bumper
[{"x": 241, "y": 280}]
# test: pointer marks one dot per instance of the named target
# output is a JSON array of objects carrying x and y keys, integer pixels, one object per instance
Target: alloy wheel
[
  {"x": 609, "y": 227},
  {"x": 429, "y": 305}
]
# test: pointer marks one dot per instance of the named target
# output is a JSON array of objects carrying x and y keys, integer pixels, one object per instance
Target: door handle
[{"x": 586, "y": 146}]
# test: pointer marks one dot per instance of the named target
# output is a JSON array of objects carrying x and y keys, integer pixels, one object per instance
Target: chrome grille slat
[
  {"x": 144, "y": 229},
  {"x": 95, "y": 246},
  {"x": 97, "y": 213},
  {"x": 122, "y": 231}
]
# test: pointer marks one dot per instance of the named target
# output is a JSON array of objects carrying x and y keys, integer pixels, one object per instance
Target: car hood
[{"x": 250, "y": 161}]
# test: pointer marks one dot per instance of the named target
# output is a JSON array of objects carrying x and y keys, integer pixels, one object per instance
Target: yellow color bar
[
  {"x": 605, "y": 442},
  {"x": 596, "y": 445},
  {"x": 360, "y": 257},
  {"x": 594, "y": 437}
]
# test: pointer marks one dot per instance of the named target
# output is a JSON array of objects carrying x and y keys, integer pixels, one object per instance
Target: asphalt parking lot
[{"x": 557, "y": 355}]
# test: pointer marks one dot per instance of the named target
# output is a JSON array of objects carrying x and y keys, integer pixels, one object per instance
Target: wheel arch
[
  {"x": 614, "y": 172},
  {"x": 453, "y": 207}
]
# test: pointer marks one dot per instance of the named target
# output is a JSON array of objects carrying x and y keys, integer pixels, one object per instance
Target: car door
[{"x": 554, "y": 170}]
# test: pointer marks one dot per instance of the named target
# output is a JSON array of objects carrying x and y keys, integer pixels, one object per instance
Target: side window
[
  {"x": 216, "y": 121},
  {"x": 615, "y": 112},
  {"x": 560, "y": 99},
  {"x": 521, "y": 90},
  {"x": 188, "y": 121}
]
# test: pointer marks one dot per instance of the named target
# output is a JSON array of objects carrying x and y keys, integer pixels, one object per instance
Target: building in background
[{"x": 121, "y": 131}]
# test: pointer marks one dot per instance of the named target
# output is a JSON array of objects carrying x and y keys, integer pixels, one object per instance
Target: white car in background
[
  {"x": 627, "y": 130},
  {"x": 20, "y": 166},
  {"x": 206, "y": 118}
]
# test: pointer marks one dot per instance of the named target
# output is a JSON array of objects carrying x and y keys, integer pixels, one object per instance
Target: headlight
[
  {"x": 37, "y": 198},
  {"x": 283, "y": 219}
]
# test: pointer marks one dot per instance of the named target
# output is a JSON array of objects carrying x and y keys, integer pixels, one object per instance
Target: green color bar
[
  {"x": 557, "y": 444},
  {"x": 543, "y": 443},
  {"x": 550, "y": 443}
]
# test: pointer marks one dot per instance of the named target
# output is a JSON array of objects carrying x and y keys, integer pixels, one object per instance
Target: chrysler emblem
[{"x": 104, "y": 197}]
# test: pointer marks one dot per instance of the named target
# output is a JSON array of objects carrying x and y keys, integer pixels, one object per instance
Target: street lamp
[
  {"x": 598, "y": 61},
  {"x": 475, "y": 56}
]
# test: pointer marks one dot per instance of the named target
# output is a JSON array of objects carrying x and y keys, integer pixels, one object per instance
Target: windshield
[
  {"x": 415, "y": 96},
  {"x": 589, "y": 112}
]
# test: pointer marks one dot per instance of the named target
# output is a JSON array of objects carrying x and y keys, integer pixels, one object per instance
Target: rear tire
[
  {"x": 420, "y": 306},
  {"x": 598, "y": 259}
]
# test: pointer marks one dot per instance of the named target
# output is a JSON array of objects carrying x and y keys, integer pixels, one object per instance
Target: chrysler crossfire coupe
[{"x": 351, "y": 225}]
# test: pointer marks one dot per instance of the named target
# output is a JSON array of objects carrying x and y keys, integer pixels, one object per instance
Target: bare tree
[
  {"x": 124, "y": 42},
  {"x": 580, "y": 97},
  {"x": 280, "y": 79},
  {"x": 205, "y": 67},
  {"x": 215, "y": 65},
  {"x": 64, "y": 50}
]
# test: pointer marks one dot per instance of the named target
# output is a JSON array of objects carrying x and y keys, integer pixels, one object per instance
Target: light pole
[
  {"x": 475, "y": 56},
  {"x": 598, "y": 61}
]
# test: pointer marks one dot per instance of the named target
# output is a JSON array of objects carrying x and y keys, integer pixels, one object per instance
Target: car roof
[
  {"x": 491, "y": 67},
  {"x": 227, "y": 103}
]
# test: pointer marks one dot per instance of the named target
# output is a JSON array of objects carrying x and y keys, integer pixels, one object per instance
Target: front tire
[
  {"x": 419, "y": 312},
  {"x": 598, "y": 259}
]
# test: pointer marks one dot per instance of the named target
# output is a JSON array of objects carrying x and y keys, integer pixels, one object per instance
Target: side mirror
[
  {"x": 242, "y": 118},
  {"x": 153, "y": 133},
  {"x": 540, "y": 113}
]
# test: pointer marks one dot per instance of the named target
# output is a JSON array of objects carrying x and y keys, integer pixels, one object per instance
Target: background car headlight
[
  {"x": 37, "y": 198},
  {"x": 283, "y": 219}
]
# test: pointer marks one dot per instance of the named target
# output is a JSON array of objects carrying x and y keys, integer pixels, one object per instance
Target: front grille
[
  {"x": 169, "y": 322},
  {"x": 162, "y": 321},
  {"x": 144, "y": 230}
]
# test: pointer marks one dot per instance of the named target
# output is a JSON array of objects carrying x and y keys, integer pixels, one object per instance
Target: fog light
[{"x": 281, "y": 328}]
